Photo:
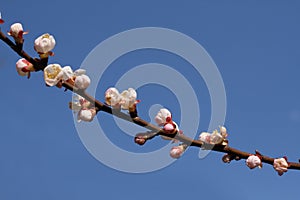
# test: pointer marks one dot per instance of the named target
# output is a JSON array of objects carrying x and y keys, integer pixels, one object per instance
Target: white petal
[
  {"x": 20, "y": 65},
  {"x": 66, "y": 73},
  {"x": 44, "y": 43},
  {"x": 15, "y": 29},
  {"x": 162, "y": 115},
  {"x": 112, "y": 97},
  {"x": 82, "y": 82},
  {"x": 79, "y": 72},
  {"x": 51, "y": 73}
]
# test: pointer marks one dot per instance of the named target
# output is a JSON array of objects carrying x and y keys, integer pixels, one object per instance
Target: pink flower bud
[
  {"x": 253, "y": 161},
  {"x": 44, "y": 44},
  {"x": 16, "y": 31},
  {"x": 162, "y": 116},
  {"x": 82, "y": 82},
  {"x": 112, "y": 97},
  {"x": 24, "y": 67},
  {"x": 280, "y": 165},
  {"x": 139, "y": 140},
  {"x": 177, "y": 151},
  {"x": 169, "y": 127}
]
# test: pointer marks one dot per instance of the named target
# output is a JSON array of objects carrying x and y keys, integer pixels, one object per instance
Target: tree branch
[{"x": 231, "y": 153}]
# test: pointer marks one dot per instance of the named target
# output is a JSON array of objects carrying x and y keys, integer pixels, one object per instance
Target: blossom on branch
[
  {"x": 24, "y": 67},
  {"x": 129, "y": 99},
  {"x": 51, "y": 74},
  {"x": 17, "y": 32},
  {"x": 253, "y": 161},
  {"x": 223, "y": 131},
  {"x": 280, "y": 165},
  {"x": 113, "y": 97},
  {"x": 86, "y": 115},
  {"x": 85, "y": 111},
  {"x": 205, "y": 137},
  {"x": 82, "y": 81},
  {"x": 44, "y": 44},
  {"x": 77, "y": 78},
  {"x": 140, "y": 140},
  {"x": 215, "y": 137},
  {"x": 177, "y": 151},
  {"x": 163, "y": 116}
]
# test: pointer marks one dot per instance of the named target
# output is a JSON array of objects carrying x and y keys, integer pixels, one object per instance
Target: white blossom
[
  {"x": 128, "y": 98},
  {"x": 82, "y": 82},
  {"x": 83, "y": 108},
  {"x": 24, "y": 67},
  {"x": 44, "y": 44},
  {"x": 223, "y": 131},
  {"x": 177, "y": 151},
  {"x": 16, "y": 31},
  {"x": 280, "y": 165},
  {"x": 86, "y": 115},
  {"x": 205, "y": 137},
  {"x": 66, "y": 73},
  {"x": 253, "y": 161},
  {"x": 79, "y": 72},
  {"x": 162, "y": 116},
  {"x": 216, "y": 137},
  {"x": 51, "y": 73},
  {"x": 113, "y": 97}
]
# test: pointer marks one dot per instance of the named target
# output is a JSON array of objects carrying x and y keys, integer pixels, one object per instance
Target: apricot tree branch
[{"x": 141, "y": 138}]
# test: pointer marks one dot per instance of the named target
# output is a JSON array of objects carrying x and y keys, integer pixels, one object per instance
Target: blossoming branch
[{"x": 124, "y": 105}]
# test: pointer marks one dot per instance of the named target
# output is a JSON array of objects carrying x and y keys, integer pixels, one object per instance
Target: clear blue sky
[{"x": 256, "y": 49}]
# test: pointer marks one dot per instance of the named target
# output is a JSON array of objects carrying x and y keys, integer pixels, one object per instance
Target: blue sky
[{"x": 255, "y": 47}]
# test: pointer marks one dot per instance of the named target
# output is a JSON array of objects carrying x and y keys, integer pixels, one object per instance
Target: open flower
[
  {"x": 128, "y": 99},
  {"x": 51, "y": 74},
  {"x": 24, "y": 67},
  {"x": 44, "y": 45},
  {"x": 77, "y": 78},
  {"x": 113, "y": 97},
  {"x": 253, "y": 161},
  {"x": 216, "y": 138},
  {"x": 16, "y": 31},
  {"x": 163, "y": 116},
  {"x": 66, "y": 73},
  {"x": 177, "y": 151},
  {"x": 1, "y": 20},
  {"x": 280, "y": 165}
]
